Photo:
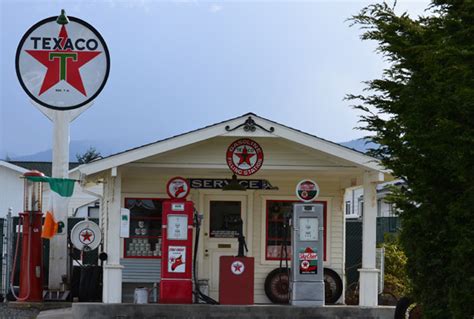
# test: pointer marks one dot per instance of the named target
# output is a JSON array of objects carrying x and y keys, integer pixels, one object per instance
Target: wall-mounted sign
[
  {"x": 219, "y": 183},
  {"x": 244, "y": 157},
  {"x": 86, "y": 235},
  {"x": 307, "y": 190},
  {"x": 62, "y": 66},
  {"x": 124, "y": 223},
  {"x": 178, "y": 188}
]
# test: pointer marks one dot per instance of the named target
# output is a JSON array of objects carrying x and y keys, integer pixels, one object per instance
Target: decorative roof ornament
[
  {"x": 62, "y": 18},
  {"x": 250, "y": 126}
]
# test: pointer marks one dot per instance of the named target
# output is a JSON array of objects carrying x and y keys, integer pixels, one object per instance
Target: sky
[{"x": 180, "y": 65}]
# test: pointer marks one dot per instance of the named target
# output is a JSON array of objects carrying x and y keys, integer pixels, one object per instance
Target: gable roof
[
  {"x": 44, "y": 167},
  {"x": 227, "y": 128},
  {"x": 13, "y": 167}
]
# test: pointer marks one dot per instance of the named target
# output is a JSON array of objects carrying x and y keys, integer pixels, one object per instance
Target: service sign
[
  {"x": 62, "y": 66},
  {"x": 244, "y": 157},
  {"x": 307, "y": 190}
]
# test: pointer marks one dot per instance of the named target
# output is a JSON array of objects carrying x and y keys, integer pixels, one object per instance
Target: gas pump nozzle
[
  {"x": 197, "y": 218},
  {"x": 241, "y": 238}
]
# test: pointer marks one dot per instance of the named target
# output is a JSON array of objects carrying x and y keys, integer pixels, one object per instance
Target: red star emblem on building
[
  {"x": 244, "y": 157},
  {"x": 63, "y": 65},
  {"x": 86, "y": 236}
]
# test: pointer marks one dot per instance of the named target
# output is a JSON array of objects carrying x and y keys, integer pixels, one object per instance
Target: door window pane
[{"x": 225, "y": 219}]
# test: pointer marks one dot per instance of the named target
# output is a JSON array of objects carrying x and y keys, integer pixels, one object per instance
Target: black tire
[
  {"x": 332, "y": 286},
  {"x": 402, "y": 307},
  {"x": 277, "y": 286}
]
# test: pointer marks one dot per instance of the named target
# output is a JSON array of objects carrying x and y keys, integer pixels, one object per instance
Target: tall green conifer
[{"x": 421, "y": 111}]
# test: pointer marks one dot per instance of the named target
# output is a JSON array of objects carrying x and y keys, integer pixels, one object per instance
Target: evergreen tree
[
  {"x": 421, "y": 112},
  {"x": 90, "y": 155}
]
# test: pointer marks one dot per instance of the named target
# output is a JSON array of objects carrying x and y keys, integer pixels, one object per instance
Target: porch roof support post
[
  {"x": 368, "y": 279},
  {"x": 112, "y": 285}
]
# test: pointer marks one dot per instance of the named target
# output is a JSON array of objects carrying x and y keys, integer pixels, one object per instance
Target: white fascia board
[
  {"x": 156, "y": 148},
  {"x": 13, "y": 167}
]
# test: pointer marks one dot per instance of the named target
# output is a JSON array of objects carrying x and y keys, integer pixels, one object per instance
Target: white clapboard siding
[
  {"x": 277, "y": 152},
  {"x": 141, "y": 270}
]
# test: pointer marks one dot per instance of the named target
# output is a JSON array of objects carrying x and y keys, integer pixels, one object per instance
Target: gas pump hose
[
  {"x": 198, "y": 292},
  {"x": 12, "y": 277}
]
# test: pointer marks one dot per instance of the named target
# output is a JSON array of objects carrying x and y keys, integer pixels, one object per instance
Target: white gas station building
[{"x": 136, "y": 179}]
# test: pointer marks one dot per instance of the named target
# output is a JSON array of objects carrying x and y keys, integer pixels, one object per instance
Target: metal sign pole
[
  {"x": 58, "y": 244},
  {"x": 62, "y": 81}
]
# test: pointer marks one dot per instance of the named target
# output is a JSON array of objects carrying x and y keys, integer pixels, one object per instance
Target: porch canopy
[{"x": 289, "y": 156}]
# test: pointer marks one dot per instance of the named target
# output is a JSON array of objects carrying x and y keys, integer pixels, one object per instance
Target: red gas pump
[
  {"x": 176, "y": 284},
  {"x": 31, "y": 272},
  {"x": 236, "y": 276}
]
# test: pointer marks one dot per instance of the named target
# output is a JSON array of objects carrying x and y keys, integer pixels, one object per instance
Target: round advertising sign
[
  {"x": 307, "y": 190},
  {"x": 62, "y": 67},
  {"x": 178, "y": 188},
  {"x": 86, "y": 235},
  {"x": 244, "y": 157}
]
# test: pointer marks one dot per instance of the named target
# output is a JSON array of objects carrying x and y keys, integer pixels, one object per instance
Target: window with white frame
[
  {"x": 360, "y": 206},
  {"x": 348, "y": 208},
  {"x": 379, "y": 207}
]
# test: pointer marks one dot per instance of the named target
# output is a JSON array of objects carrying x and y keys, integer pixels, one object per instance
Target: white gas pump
[{"x": 307, "y": 241}]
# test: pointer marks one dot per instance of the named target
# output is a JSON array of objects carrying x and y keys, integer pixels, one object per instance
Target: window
[
  {"x": 379, "y": 207},
  {"x": 360, "y": 202},
  {"x": 145, "y": 228},
  {"x": 348, "y": 207},
  {"x": 278, "y": 232},
  {"x": 225, "y": 220},
  {"x": 391, "y": 210}
]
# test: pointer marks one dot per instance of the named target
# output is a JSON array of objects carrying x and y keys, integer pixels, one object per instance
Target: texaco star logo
[
  {"x": 86, "y": 236},
  {"x": 305, "y": 264},
  {"x": 237, "y": 267},
  {"x": 244, "y": 157},
  {"x": 62, "y": 67}
]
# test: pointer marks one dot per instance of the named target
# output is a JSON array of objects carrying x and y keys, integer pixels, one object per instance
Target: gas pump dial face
[
  {"x": 178, "y": 227},
  {"x": 308, "y": 229}
]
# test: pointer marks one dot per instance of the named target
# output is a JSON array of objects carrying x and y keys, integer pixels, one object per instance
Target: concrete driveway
[{"x": 64, "y": 313}]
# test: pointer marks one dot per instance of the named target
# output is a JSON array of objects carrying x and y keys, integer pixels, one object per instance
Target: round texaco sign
[
  {"x": 62, "y": 66},
  {"x": 244, "y": 157},
  {"x": 178, "y": 188},
  {"x": 237, "y": 267},
  {"x": 86, "y": 235}
]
